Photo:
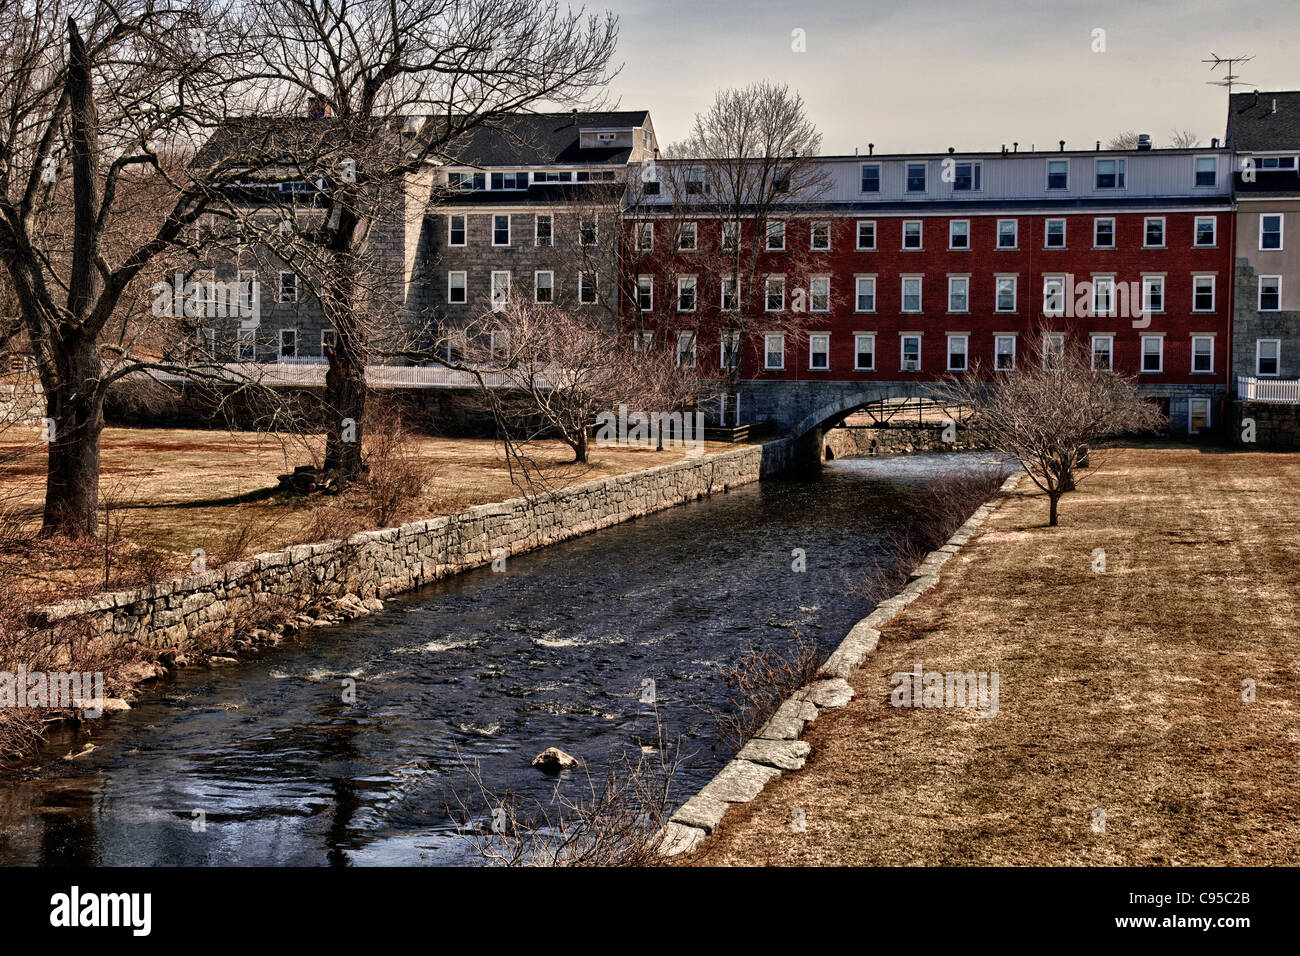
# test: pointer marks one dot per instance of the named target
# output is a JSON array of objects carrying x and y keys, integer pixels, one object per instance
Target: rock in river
[{"x": 553, "y": 760}]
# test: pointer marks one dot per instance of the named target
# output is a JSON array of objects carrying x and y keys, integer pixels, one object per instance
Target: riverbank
[{"x": 1121, "y": 735}]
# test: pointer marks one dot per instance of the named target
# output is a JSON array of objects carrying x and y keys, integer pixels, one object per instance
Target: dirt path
[{"x": 1119, "y": 691}]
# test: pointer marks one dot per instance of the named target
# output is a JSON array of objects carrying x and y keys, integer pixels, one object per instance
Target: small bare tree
[
  {"x": 1049, "y": 412},
  {"x": 1183, "y": 139}
]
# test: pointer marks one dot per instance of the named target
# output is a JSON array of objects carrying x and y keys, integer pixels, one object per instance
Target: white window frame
[
  {"x": 862, "y": 167},
  {"x": 858, "y": 235},
  {"x": 813, "y": 281},
  {"x": 857, "y": 293},
  {"x": 1160, "y": 355},
  {"x": 1209, "y": 411},
  {"x": 1146, "y": 224},
  {"x": 464, "y": 287},
  {"x": 813, "y": 339},
  {"x": 1121, "y": 171},
  {"x": 997, "y": 294},
  {"x": 279, "y": 352},
  {"x": 550, "y": 234},
  {"x": 693, "y": 282},
  {"x": 920, "y": 291},
  {"x": 464, "y": 230},
  {"x": 595, "y": 230},
  {"x": 965, "y": 283},
  {"x": 951, "y": 224},
  {"x": 1053, "y": 344},
  {"x": 329, "y": 338},
  {"x": 537, "y": 286},
  {"x": 722, "y": 294},
  {"x": 1196, "y": 280},
  {"x": 686, "y": 360},
  {"x": 248, "y": 287},
  {"x": 774, "y": 229},
  {"x": 1106, "y": 282},
  {"x": 1259, "y": 299},
  {"x": 1015, "y": 234},
  {"x": 1281, "y": 231},
  {"x": 902, "y": 351},
  {"x": 1214, "y": 232},
  {"x": 285, "y": 296},
  {"x": 1202, "y": 371},
  {"x": 1048, "y": 281},
  {"x": 768, "y": 339},
  {"x": 1006, "y": 337},
  {"x": 964, "y": 339},
  {"x": 767, "y": 296},
  {"x": 1047, "y": 175},
  {"x": 857, "y": 351},
  {"x": 1196, "y": 172},
  {"x": 693, "y": 230},
  {"x": 920, "y": 235},
  {"x": 1097, "y": 220},
  {"x": 1110, "y": 350},
  {"x": 1047, "y": 233},
  {"x": 1259, "y": 354},
  {"x": 734, "y": 338},
  {"x": 1149, "y": 283},
  {"x": 812, "y": 236},
  {"x": 582, "y": 287},
  {"x": 648, "y": 283},
  {"x": 645, "y": 236},
  {"x": 498, "y": 304},
  {"x": 509, "y": 229}
]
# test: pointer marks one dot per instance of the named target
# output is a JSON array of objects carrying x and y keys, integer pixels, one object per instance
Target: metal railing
[
  {"x": 1252, "y": 389},
  {"x": 306, "y": 373}
]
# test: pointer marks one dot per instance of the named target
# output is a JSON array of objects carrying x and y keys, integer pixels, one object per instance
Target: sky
[{"x": 925, "y": 75}]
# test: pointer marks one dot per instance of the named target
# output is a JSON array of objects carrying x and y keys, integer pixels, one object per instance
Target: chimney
[
  {"x": 871, "y": 149},
  {"x": 318, "y": 107},
  {"x": 573, "y": 115},
  {"x": 1062, "y": 145},
  {"x": 1004, "y": 149},
  {"x": 1214, "y": 143},
  {"x": 1015, "y": 147},
  {"x": 1099, "y": 146}
]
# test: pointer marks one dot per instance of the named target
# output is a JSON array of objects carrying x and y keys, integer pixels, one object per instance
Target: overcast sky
[{"x": 928, "y": 74}]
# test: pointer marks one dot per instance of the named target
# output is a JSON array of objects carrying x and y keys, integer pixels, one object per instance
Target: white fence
[
  {"x": 301, "y": 372},
  {"x": 1251, "y": 389}
]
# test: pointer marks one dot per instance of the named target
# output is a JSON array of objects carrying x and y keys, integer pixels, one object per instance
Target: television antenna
[{"x": 1230, "y": 79}]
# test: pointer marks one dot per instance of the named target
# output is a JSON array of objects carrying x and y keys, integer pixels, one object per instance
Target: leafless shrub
[{"x": 396, "y": 476}]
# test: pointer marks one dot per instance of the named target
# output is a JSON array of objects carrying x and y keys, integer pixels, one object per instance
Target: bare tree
[
  {"x": 100, "y": 104},
  {"x": 1125, "y": 140},
  {"x": 391, "y": 87},
  {"x": 1183, "y": 139},
  {"x": 1049, "y": 412}
]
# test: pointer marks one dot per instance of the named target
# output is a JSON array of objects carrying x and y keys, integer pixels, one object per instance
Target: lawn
[
  {"x": 1121, "y": 690},
  {"x": 178, "y": 490}
]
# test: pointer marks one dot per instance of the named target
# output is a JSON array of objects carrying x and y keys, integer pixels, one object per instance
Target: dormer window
[
  {"x": 605, "y": 138},
  {"x": 695, "y": 180}
]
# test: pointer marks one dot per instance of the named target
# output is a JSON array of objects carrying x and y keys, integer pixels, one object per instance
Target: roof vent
[
  {"x": 1061, "y": 143},
  {"x": 1274, "y": 109},
  {"x": 1144, "y": 141}
]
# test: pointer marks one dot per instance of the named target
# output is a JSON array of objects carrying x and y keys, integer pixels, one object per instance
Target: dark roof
[
  {"x": 1253, "y": 125},
  {"x": 541, "y": 139}
]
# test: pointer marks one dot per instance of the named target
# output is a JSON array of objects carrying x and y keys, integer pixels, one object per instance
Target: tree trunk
[
  {"x": 76, "y": 409},
  {"x": 1053, "y": 500},
  {"x": 345, "y": 395},
  {"x": 580, "y": 448}
]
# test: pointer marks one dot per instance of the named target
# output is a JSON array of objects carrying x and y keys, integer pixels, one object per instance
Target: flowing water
[{"x": 265, "y": 763}]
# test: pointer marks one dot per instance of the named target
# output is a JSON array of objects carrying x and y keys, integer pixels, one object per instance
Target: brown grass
[
  {"x": 1119, "y": 690},
  {"x": 178, "y": 490}
]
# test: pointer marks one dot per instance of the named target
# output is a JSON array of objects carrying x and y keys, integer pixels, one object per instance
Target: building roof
[
  {"x": 542, "y": 139},
  {"x": 1260, "y": 121}
]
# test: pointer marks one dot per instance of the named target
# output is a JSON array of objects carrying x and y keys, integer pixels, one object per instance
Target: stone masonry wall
[
  {"x": 1276, "y": 425},
  {"x": 202, "y": 611},
  {"x": 852, "y": 441}
]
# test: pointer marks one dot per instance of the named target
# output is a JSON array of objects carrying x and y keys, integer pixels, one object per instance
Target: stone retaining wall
[
  {"x": 857, "y": 441},
  {"x": 776, "y": 748},
  {"x": 196, "y": 613},
  {"x": 1276, "y": 425}
]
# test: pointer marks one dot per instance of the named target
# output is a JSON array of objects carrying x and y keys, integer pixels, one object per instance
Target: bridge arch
[{"x": 809, "y": 431}]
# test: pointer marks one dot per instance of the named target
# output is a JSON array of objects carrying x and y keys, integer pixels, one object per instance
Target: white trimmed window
[
  {"x": 910, "y": 353},
  {"x": 819, "y": 352},
  {"x": 686, "y": 287},
  {"x": 774, "y": 350},
  {"x": 1053, "y": 295},
  {"x": 1053, "y": 344},
  {"x": 730, "y": 299},
  {"x": 774, "y": 294},
  {"x": 1055, "y": 234},
  {"x": 1004, "y": 352},
  {"x": 912, "y": 234},
  {"x": 864, "y": 352},
  {"x": 1202, "y": 293},
  {"x": 1202, "y": 353},
  {"x": 544, "y": 287},
  {"x": 1268, "y": 356},
  {"x": 1153, "y": 294},
  {"x": 1103, "y": 352},
  {"x": 958, "y": 294},
  {"x": 959, "y": 234},
  {"x": 1206, "y": 172},
  {"x": 911, "y": 294},
  {"x": 288, "y": 344},
  {"x": 730, "y": 350},
  {"x": 819, "y": 294},
  {"x": 730, "y": 236},
  {"x": 500, "y": 290},
  {"x": 866, "y": 234},
  {"x": 775, "y": 236},
  {"x": 686, "y": 349},
  {"x": 1153, "y": 232},
  {"x": 543, "y": 234},
  {"x": 1206, "y": 232},
  {"x": 248, "y": 291},
  {"x": 864, "y": 299},
  {"x": 687, "y": 237},
  {"x": 1103, "y": 295},
  {"x": 588, "y": 230},
  {"x": 1008, "y": 233},
  {"x": 1110, "y": 173},
  {"x": 588, "y": 292},
  {"x": 1005, "y": 294},
  {"x": 455, "y": 230},
  {"x": 1058, "y": 174},
  {"x": 1270, "y": 293},
  {"x": 501, "y": 230},
  {"x": 958, "y": 346},
  {"x": 645, "y": 293},
  {"x": 1153, "y": 353},
  {"x": 456, "y": 294},
  {"x": 1198, "y": 415},
  {"x": 645, "y": 236},
  {"x": 821, "y": 237},
  {"x": 1103, "y": 233},
  {"x": 288, "y": 287},
  {"x": 1270, "y": 231}
]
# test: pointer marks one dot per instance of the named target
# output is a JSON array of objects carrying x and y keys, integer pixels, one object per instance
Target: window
[
  {"x": 730, "y": 301},
  {"x": 819, "y": 294},
  {"x": 687, "y": 237},
  {"x": 866, "y": 234},
  {"x": 1205, "y": 229},
  {"x": 1153, "y": 294},
  {"x": 1006, "y": 294},
  {"x": 775, "y": 236},
  {"x": 1053, "y": 346},
  {"x": 912, "y": 234},
  {"x": 1202, "y": 353},
  {"x": 645, "y": 293},
  {"x": 509, "y": 180},
  {"x": 644, "y": 341},
  {"x": 1270, "y": 231},
  {"x": 781, "y": 181},
  {"x": 1198, "y": 415},
  {"x": 1153, "y": 353},
  {"x": 586, "y": 231},
  {"x": 587, "y": 289},
  {"x": 1103, "y": 295},
  {"x": 455, "y": 230},
  {"x": 1058, "y": 174},
  {"x": 774, "y": 350},
  {"x": 1276, "y": 162},
  {"x": 497, "y": 345},
  {"x": 1053, "y": 295},
  {"x": 1008, "y": 233},
  {"x": 958, "y": 294},
  {"x": 686, "y": 286},
  {"x": 645, "y": 236},
  {"x": 207, "y": 341},
  {"x": 500, "y": 290},
  {"x": 911, "y": 293},
  {"x": 1103, "y": 233},
  {"x": 248, "y": 291},
  {"x": 328, "y": 340},
  {"x": 467, "y": 181},
  {"x": 694, "y": 180},
  {"x": 957, "y": 345},
  {"x": 456, "y": 288},
  {"x": 916, "y": 177},
  {"x": 686, "y": 349},
  {"x": 730, "y": 357},
  {"x": 1205, "y": 171},
  {"x": 819, "y": 352},
  {"x": 543, "y": 287},
  {"x": 966, "y": 177},
  {"x": 865, "y": 294},
  {"x": 500, "y": 230},
  {"x": 1004, "y": 352},
  {"x": 1110, "y": 173},
  {"x": 1102, "y": 348},
  {"x": 1202, "y": 293},
  {"x": 1270, "y": 293},
  {"x": 551, "y": 176},
  {"x": 246, "y": 345},
  {"x": 864, "y": 352},
  {"x": 730, "y": 236},
  {"x": 288, "y": 291},
  {"x": 1153, "y": 235},
  {"x": 1268, "y": 356},
  {"x": 288, "y": 344},
  {"x": 911, "y": 353},
  {"x": 1055, "y": 238},
  {"x": 871, "y": 177},
  {"x": 821, "y": 236},
  {"x": 542, "y": 232},
  {"x": 959, "y": 234},
  {"x": 774, "y": 294}
]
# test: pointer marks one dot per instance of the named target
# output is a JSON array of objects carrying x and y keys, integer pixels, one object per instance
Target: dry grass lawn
[
  {"x": 177, "y": 490},
  {"x": 1119, "y": 690}
]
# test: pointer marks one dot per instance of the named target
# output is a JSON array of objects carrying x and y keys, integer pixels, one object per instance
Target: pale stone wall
[{"x": 204, "y": 611}]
